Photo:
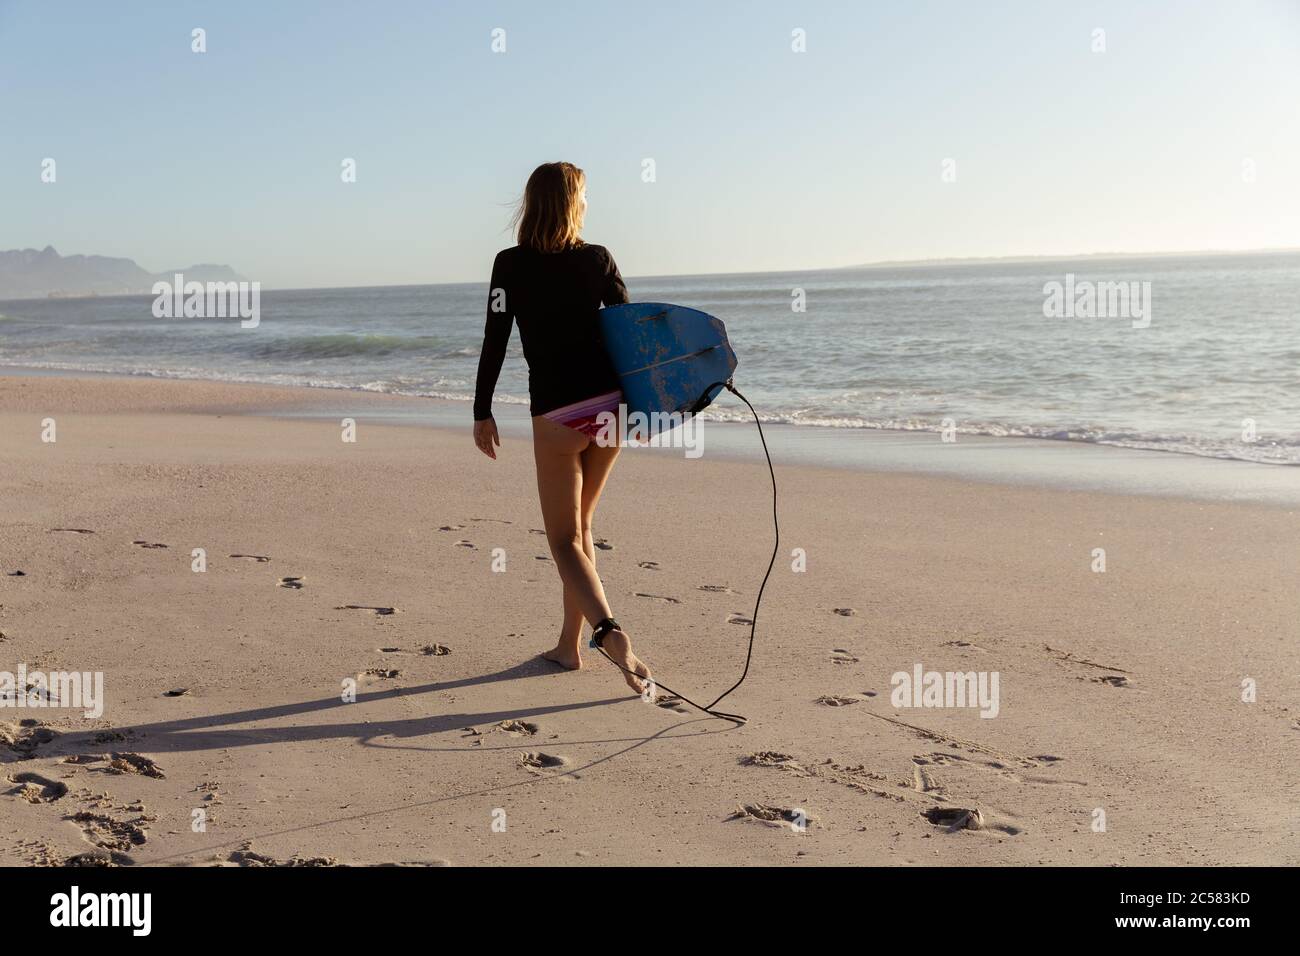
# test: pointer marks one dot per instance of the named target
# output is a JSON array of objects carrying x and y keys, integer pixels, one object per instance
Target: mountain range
[{"x": 33, "y": 274}]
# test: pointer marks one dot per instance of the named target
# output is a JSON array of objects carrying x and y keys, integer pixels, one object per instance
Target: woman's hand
[{"x": 485, "y": 436}]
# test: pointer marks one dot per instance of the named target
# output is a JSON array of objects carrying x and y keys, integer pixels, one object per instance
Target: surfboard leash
[{"x": 610, "y": 624}]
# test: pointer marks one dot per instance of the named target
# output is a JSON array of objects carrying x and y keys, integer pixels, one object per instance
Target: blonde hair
[{"x": 549, "y": 218}]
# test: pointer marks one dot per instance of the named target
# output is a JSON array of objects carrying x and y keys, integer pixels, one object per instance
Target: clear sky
[{"x": 766, "y": 159}]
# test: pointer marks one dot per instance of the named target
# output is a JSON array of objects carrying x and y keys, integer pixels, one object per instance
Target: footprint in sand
[
  {"x": 603, "y": 544},
  {"x": 536, "y": 761},
  {"x": 379, "y": 611},
  {"x": 259, "y": 558},
  {"x": 1114, "y": 680},
  {"x": 542, "y": 557},
  {"x": 954, "y": 818},
  {"x": 34, "y": 788},
  {"x": 669, "y": 702},
  {"x": 462, "y": 543},
  {"x": 536, "y": 531},
  {"x": 844, "y": 611},
  {"x": 26, "y": 736},
  {"x": 840, "y": 656},
  {"x": 772, "y": 758},
  {"x": 74, "y": 530},
  {"x": 923, "y": 781},
  {"x": 494, "y": 520},
  {"x": 406, "y": 863},
  {"x": 389, "y": 650},
  {"x": 177, "y": 692},
  {"x": 111, "y": 834},
  {"x": 715, "y": 589},
  {"x": 16, "y": 574},
  {"x": 452, "y": 527},
  {"x": 294, "y": 584},
  {"x": 857, "y": 778},
  {"x": 148, "y": 544},
  {"x": 435, "y": 650},
  {"x": 383, "y": 673},
  {"x": 135, "y": 763},
  {"x": 656, "y": 597},
  {"x": 835, "y": 700},
  {"x": 111, "y": 736},
  {"x": 773, "y": 816},
  {"x": 519, "y": 728},
  {"x": 738, "y": 618},
  {"x": 247, "y": 856},
  {"x": 648, "y": 565},
  {"x": 97, "y": 857}
]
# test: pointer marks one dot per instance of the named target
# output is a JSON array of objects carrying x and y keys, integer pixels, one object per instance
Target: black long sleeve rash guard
[{"x": 554, "y": 297}]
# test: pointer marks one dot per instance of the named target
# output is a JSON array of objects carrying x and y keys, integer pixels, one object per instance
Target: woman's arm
[
  {"x": 613, "y": 291},
  {"x": 496, "y": 336}
]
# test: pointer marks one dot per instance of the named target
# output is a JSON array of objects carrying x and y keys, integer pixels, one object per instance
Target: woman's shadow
[{"x": 220, "y": 731}]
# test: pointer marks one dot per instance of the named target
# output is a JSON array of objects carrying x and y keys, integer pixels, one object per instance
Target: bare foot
[
  {"x": 619, "y": 647},
  {"x": 564, "y": 655}
]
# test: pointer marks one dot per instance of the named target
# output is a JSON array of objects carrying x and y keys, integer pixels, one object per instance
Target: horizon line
[{"x": 877, "y": 264}]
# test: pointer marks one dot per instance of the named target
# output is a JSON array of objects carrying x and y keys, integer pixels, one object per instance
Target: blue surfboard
[{"x": 669, "y": 359}]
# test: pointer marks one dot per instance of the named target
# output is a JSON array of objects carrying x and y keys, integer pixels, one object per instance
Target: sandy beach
[{"x": 1121, "y": 693}]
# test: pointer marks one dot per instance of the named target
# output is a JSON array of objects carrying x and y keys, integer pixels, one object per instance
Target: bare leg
[
  {"x": 597, "y": 463},
  {"x": 567, "y": 651},
  {"x": 559, "y": 453}
]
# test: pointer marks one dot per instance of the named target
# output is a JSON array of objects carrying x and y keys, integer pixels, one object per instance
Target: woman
[{"x": 552, "y": 284}]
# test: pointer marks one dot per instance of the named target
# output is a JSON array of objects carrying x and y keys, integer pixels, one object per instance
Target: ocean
[{"x": 1212, "y": 367}]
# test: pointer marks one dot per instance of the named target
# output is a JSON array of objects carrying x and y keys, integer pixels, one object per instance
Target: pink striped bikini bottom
[{"x": 583, "y": 416}]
